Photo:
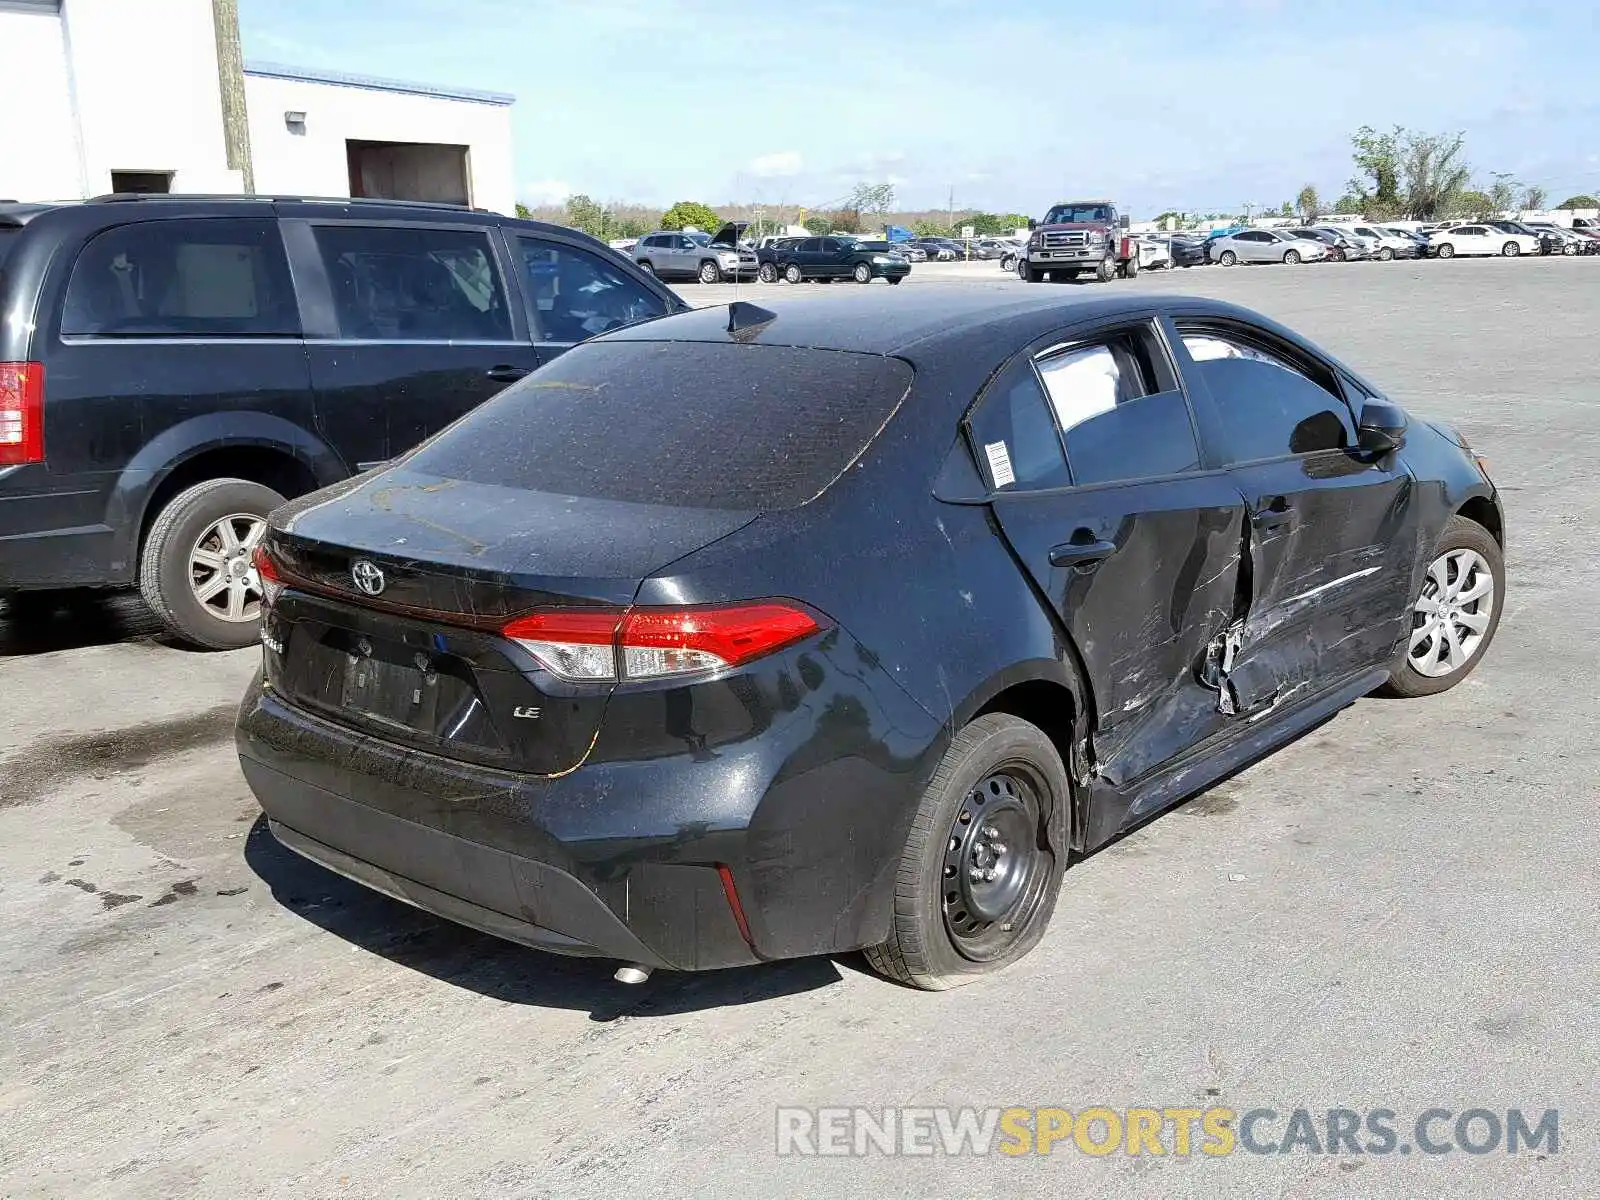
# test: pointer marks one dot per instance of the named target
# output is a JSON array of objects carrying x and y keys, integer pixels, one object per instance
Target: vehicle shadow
[
  {"x": 39, "y": 623},
  {"x": 500, "y": 969}
]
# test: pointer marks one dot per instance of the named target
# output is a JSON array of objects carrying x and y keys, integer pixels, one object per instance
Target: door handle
[
  {"x": 1275, "y": 515},
  {"x": 505, "y": 373},
  {"x": 1086, "y": 555}
]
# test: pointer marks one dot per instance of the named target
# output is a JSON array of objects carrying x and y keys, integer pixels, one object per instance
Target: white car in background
[
  {"x": 1382, "y": 244},
  {"x": 1154, "y": 253},
  {"x": 1265, "y": 246},
  {"x": 1479, "y": 239}
]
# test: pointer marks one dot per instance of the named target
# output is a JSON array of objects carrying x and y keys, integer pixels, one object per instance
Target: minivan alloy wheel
[
  {"x": 220, "y": 571},
  {"x": 1451, "y": 617}
]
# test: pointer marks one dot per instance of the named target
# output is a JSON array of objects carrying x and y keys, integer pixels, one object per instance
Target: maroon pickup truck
[{"x": 1077, "y": 236}]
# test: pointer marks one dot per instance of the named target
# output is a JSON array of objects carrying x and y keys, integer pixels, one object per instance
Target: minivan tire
[
  {"x": 165, "y": 564},
  {"x": 921, "y": 949}
]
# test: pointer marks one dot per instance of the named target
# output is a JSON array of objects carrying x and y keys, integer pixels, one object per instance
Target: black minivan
[{"x": 172, "y": 368}]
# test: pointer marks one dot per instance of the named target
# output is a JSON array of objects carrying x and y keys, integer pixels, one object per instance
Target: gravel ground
[{"x": 1397, "y": 911}]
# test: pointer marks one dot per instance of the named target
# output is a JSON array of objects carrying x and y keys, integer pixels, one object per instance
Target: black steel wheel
[{"x": 983, "y": 861}]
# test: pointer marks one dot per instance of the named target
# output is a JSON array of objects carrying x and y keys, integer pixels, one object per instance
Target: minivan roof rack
[{"x": 144, "y": 197}]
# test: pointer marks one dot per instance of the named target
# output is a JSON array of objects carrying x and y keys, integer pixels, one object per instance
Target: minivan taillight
[
  {"x": 21, "y": 413},
  {"x": 605, "y": 645}
]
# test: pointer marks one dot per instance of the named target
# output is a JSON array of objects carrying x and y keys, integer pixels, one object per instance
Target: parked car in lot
[
  {"x": 1548, "y": 242},
  {"x": 1480, "y": 238},
  {"x": 1345, "y": 245},
  {"x": 828, "y": 258},
  {"x": 1558, "y": 240},
  {"x": 1416, "y": 242},
  {"x": 1384, "y": 244},
  {"x": 938, "y": 249},
  {"x": 709, "y": 258},
  {"x": 1010, "y": 257},
  {"x": 186, "y": 364},
  {"x": 1154, "y": 254},
  {"x": 728, "y": 729},
  {"x": 910, "y": 251},
  {"x": 1188, "y": 250},
  {"x": 1265, "y": 246}
]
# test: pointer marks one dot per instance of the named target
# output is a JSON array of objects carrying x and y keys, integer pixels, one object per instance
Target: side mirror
[
  {"x": 1382, "y": 428},
  {"x": 1032, "y": 224},
  {"x": 1123, "y": 222}
]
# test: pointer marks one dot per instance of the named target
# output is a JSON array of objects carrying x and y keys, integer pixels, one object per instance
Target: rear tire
[
  {"x": 792, "y": 274},
  {"x": 1227, "y": 258},
  {"x": 950, "y": 923},
  {"x": 1510, "y": 250},
  {"x": 202, "y": 541},
  {"x": 1460, "y": 542},
  {"x": 1131, "y": 271},
  {"x": 768, "y": 273}
]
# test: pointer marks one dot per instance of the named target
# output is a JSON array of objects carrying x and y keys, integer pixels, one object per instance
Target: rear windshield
[{"x": 704, "y": 425}]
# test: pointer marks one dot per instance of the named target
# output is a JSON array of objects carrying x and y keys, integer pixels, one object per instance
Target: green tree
[
  {"x": 524, "y": 211},
  {"x": 875, "y": 199},
  {"x": 927, "y": 228},
  {"x": 1502, "y": 192},
  {"x": 1581, "y": 200},
  {"x": 1534, "y": 197},
  {"x": 1171, "y": 214},
  {"x": 1377, "y": 158},
  {"x": 1433, "y": 172},
  {"x": 1350, "y": 205},
  {"x": 1308, "y": 204},
  {"x": 583, "y": 213},
  {"x": 685, "y": 213},
  {"x": 1469, "y": 203}
]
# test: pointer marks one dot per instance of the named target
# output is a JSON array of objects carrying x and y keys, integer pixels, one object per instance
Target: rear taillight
[
  {"x": 21, "y": 413},
  {"x": 589, "y": 646},
  {"x": 268, "y": 574}
]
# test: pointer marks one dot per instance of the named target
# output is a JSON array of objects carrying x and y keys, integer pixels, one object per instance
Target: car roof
[{"x": 881, "y": 323}]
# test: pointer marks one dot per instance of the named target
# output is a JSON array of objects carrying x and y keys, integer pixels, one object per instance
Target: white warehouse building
[{"x": 112, "y": 95}]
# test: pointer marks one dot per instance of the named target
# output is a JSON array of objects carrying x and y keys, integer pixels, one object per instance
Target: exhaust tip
[{"x": 632, "y": 974}]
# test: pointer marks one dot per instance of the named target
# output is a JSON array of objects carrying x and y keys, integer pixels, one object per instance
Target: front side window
[
  {"x": 183, "y": 278},
  {"x": 576, "y": 294},
  {"x": 1270, "y": 405},
  {"x": 1120, "y": 410},
  {"x": 399, "y": 283}
]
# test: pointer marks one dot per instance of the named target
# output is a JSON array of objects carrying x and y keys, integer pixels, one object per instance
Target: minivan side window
[
  {"x": 205, "y": 277},
  {"x": 1270, "y": 406},
  {"x": 1120, "y": 409},
  {"x": 411, "y": 283},
  {"x": 576, "y": 295}
]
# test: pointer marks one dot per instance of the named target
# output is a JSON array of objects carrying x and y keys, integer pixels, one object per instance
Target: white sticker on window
[{"x": 1000, "y": 464}]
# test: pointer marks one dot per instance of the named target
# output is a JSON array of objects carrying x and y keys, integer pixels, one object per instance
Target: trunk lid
[{"x": 399, "y": 585}]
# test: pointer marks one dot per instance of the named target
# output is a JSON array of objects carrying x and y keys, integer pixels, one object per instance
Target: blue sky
[{"x": 1201, "y": 106}]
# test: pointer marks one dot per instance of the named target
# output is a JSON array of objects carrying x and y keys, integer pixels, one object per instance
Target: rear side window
[
  {"x": 577, "y": 294},
  {"x": 1120, "y": 409},
  {"x": 1270, "y": 406},
  {"x": 405, "y": 283},
  {"x": 693, "y": 424},
  {"x": 182, "y": 278},
  {"x": 1013, "y": 435}
]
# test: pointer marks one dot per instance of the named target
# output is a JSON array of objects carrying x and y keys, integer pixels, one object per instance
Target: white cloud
[
  {"x": 782, "y": 165},
  {"x": 546, "y": 191}
]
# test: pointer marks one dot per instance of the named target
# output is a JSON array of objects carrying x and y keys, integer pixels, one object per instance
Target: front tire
[
  {"x": 1030, "y": 273},
  {"x": 1227, "y": 258},
  {"x": 862, "y": 273},
  {"x": 710, "y": 272},
  {"x": 1106, "y": 271},
  {"x": 791, "y": 274},
  {"x": 648, "y": 268},
  {"x": 982, "y": 865},
  {"x": 1446, "y": 250},
  {"x": 1455, "y": 616},
  {"x": 1291, "y": 258},
  {"x": 195, "y": 571},
  {"x": 1510, "y": 250},
  {"x": 768, "y": 273},
  {"x": 1385, "y": 254}
]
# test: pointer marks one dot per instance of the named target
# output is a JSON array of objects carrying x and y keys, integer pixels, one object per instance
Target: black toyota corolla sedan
[{"x": 748, "y": 634}]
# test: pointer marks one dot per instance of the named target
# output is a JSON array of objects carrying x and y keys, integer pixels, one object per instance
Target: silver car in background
[{"x": 1265, "y": 246}]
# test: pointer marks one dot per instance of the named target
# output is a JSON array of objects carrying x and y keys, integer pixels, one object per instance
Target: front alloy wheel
[
  {"x": 1456, "y": 613},
  {"x": 710, "y": 272},
  {"x": 791, "y": 273},
  {"x": 862, "y": 273}
]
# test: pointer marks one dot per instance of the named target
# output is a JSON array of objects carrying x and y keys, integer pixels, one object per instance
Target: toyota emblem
[{"x": 367, "y": 576}]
